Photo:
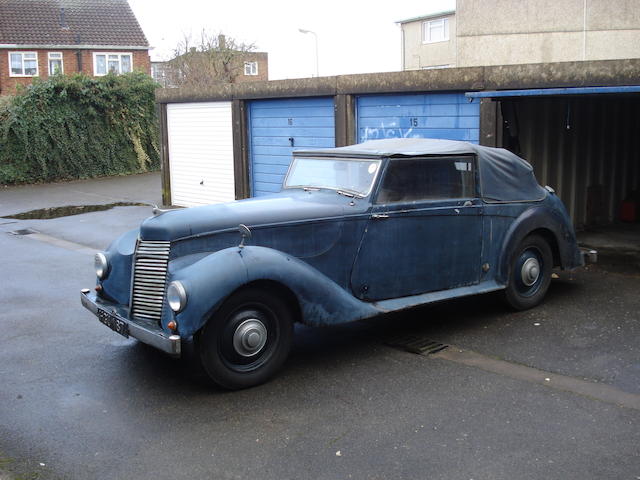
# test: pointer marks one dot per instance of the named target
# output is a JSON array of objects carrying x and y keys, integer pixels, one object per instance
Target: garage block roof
[{"x": 69, "y": 22}]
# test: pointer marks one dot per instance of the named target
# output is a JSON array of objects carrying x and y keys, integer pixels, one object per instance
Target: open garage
[{"x": 581, "y": 142}]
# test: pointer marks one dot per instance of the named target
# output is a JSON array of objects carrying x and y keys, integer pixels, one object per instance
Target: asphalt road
[{"x": 79, "y": 402}]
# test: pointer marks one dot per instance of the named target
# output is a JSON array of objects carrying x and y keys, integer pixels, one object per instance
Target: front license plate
[{"x": 113, "y": 322}]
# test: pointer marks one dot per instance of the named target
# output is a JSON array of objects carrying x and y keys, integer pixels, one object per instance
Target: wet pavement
[
  {"x": 79, "y": 402},
  {"x": 69, "y": 210},
  {"x": 143, "y": 188}
]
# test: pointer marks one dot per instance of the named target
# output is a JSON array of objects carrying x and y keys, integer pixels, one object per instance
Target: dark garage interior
[{"x": 583, "y": 146}]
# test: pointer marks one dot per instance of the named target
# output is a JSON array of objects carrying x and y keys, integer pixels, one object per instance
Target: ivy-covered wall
[{"x": 78, "y": 127}]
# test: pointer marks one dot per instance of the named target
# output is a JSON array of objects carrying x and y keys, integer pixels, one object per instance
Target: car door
[{"x": 425, "y": 230}]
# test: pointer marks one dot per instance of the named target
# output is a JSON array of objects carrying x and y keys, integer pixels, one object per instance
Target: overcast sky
[{"x": 353, "y": 36}]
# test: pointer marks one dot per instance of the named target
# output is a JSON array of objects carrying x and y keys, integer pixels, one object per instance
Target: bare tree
[{"x": 210, "y": 59}]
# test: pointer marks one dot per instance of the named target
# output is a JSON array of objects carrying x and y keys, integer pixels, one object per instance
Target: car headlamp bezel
[
  {"x": 101, "y": 264},
  {"x": 176, "y": 296}
]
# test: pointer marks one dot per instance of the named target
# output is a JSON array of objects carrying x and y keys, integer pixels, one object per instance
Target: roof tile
[{"x": 69, "y": 22}]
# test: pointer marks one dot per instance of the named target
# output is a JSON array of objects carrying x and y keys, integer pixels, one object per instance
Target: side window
[{"x": 409, "y": 180}]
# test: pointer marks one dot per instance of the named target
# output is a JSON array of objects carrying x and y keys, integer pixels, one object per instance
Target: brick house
[
  {"x": 243, "y": 67},
  {"x": 39, "y": 38}
]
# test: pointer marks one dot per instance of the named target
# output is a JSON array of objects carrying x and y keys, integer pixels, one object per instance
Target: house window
[
  {"x": 435, "y": 30},
  {"x": 251, "y": 68},
  {"x": 55, "y": 63},
  {"x": 117, "y": 63},
  {"x": 23, "y": 64}
]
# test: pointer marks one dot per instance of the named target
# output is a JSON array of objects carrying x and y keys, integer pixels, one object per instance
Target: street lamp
[{"x": 302, "y": 30}]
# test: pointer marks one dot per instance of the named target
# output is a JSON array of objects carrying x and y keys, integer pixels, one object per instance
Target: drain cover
[
  {"x": 23, "y": 231},
  {"x": 416, "y": 344}
]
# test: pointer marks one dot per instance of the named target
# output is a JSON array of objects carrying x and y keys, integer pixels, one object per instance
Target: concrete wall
[
  {"x": 418, "y": 55},
  {"x": 507, "y": 32}
]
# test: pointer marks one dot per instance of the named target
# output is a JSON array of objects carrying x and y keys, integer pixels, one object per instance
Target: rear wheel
[
  {"x": 247, "y": 340},
  {"x": 530, "y": 273}
]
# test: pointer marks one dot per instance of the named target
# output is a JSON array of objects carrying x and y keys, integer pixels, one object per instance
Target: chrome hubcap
[
  {"x": 250, "y": 337},
  {"x": 530, "y": 271}
]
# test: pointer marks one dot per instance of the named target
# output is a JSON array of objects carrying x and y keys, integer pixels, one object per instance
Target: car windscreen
[{"x": 350, "y": 175}]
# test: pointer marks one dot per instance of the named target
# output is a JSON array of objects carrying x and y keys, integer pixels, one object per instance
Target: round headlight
[
  {"x": 102, "y": 265},
  {"x": 176, "y": 296}
]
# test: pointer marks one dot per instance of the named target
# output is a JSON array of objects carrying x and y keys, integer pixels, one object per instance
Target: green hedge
[{"x": 79, "y": 127}]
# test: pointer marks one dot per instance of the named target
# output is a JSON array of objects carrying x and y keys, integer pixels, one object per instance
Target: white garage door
[{"x": 200, "y": 153}]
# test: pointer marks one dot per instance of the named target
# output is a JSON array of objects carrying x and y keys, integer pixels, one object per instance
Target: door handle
[{"x": 379, "y": 215}]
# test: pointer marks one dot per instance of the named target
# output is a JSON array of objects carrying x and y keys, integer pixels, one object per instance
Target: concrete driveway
[{"x": 553, "y": 392}]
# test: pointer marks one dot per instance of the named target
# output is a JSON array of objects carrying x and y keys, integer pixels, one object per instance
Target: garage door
[
  {"x": 200, "y": 153},
  {"x": 435, "y": 115},
  {"x": 277, "y": 127}
]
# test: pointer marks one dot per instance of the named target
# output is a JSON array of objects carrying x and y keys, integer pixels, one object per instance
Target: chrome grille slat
[
  {"x": 146, "y": 303},
  {"x": 145, "y": 311},
  {"x": 149, "y": 279},
  {"x": 150, "y": 288},
  {"x": 152, "y": 281},
  {"x": 150, "y": 302}
]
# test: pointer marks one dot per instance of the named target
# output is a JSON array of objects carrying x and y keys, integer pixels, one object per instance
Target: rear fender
[
  {"x": 212, "y": 279},
  {"x": 552, "y": 220}
]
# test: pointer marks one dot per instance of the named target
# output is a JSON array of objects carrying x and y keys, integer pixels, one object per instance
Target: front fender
[
  {"x": 544, "y": 217},
  {"x": 116, "y": 287},
  {"x": 211, "y": 280}
]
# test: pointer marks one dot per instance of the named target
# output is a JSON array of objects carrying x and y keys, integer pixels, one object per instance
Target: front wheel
[
  {"x": 247, "y": 340},
  {"x": 530, "y": 273}
]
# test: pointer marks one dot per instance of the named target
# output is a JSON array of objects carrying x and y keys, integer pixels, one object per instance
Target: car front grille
[{"x": 149, "y": 279}]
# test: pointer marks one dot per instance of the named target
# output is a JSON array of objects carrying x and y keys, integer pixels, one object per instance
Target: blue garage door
[
  {"x": 277, "y": 128},
  {"x": 433, "y": 115}
]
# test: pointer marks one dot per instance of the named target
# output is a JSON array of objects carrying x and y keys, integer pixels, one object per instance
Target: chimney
[{"x": 222, "y": 42}]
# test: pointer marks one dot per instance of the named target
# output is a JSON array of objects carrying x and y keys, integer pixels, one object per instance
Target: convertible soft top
[{"x": 504, "y": 177}]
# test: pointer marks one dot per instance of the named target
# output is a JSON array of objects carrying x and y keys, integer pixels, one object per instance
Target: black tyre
[
  {"x": 529, "y": 273},
  {"x": 246, "y": 342}
]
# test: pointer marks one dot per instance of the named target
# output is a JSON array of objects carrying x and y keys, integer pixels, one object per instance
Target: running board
[{"x": 433, "y": 297}]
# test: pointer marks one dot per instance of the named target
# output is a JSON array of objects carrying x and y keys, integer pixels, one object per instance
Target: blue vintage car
[{"x": 355, "y": 232}]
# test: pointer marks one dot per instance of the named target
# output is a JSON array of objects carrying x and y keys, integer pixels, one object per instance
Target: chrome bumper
[
  {"x": 589, "y": 255},
  {"x": 148, "y": 334}
]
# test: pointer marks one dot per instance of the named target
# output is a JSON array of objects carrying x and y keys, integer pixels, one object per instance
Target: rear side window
[{"x": 410, "y": 180}]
